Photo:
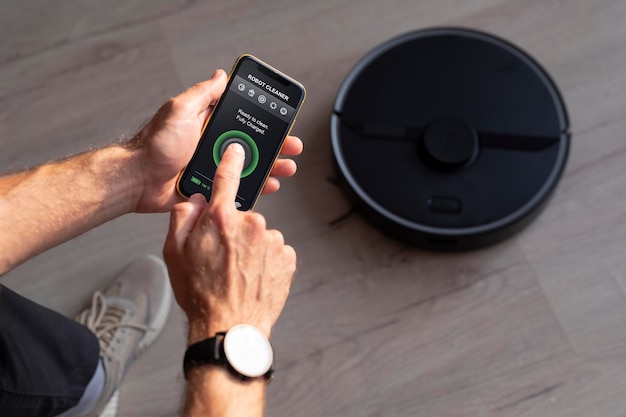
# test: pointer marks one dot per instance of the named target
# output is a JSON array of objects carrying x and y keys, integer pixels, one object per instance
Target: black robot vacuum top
[{"x": 449, "y": 138}]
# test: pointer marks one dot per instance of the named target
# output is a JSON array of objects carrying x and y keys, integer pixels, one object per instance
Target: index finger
[{"x": 227, "y": 176}]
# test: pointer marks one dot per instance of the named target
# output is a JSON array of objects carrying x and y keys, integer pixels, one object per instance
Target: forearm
[
  {"x": 55, "y": 202},
  {"x": 213, "y": 392}
]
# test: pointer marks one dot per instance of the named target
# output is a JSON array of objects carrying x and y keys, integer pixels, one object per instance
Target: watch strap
[
  {"x": 206, "y": 352},
  {"x": 211, "y": 352}
]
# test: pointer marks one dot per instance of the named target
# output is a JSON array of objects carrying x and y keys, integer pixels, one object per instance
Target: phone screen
[{"x": 257, "y": 111}]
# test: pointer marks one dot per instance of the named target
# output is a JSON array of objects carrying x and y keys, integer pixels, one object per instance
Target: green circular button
[{"x": 237, "y": 134}]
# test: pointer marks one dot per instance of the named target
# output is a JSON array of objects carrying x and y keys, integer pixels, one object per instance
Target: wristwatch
[{"x": 243, "y": 350}]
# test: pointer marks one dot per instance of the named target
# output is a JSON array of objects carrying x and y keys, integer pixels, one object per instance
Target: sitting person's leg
[
  {"x": 46, "y": 359},
  {"x": 53, "y": 366}
]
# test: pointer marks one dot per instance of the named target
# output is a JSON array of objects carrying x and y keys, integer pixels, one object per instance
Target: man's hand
[
  {"x": 81, "y": 192},
  {"x": 167, "y": 144},
  {"x": 226, "y": 268}
]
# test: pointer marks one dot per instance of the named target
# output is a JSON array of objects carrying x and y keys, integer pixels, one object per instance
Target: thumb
[{"x": 199, "y": 97}]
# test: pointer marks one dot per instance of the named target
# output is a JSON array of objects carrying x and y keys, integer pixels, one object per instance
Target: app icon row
[{"x": 262, "y": 99}]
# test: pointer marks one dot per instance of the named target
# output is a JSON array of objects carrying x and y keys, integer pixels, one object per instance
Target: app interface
[{"x": 255, "y": 111}]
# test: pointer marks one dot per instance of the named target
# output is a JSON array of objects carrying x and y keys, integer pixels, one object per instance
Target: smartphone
[{"x": 257, "y": 110}]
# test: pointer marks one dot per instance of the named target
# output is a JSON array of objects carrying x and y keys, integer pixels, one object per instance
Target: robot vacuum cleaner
[{"x": 449, "y": 138}]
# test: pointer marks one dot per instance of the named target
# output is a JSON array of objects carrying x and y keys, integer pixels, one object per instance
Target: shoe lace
[{"x": 104, "y": 319}]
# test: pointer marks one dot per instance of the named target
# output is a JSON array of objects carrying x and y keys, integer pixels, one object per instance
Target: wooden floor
[{"x": 535, "y": 326}]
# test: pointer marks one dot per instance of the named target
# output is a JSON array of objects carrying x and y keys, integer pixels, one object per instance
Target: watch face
[{"x": 248, "y": 351}]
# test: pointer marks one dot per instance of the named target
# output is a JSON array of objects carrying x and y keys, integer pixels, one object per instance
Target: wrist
[
  {"x": 223, "y": 376},
  {"x": 243, "y": 351},
  {"x": 131, "y": 155},
  {"x": 110, "y": 175},
  {"x": 201, "y": 329},
  {"x": 106, "y": 177}
]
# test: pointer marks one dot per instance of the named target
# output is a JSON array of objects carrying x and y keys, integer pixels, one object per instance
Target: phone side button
[{"x": 444, "y": 205}]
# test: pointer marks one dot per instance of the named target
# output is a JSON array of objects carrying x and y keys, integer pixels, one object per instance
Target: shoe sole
[{"x": 110, "y": 410}]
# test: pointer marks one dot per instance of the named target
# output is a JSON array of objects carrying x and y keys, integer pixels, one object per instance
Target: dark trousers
[{"x": 46, "y": 359}]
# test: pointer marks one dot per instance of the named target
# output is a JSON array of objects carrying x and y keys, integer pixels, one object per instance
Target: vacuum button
[{"x": 444, "y": 205}]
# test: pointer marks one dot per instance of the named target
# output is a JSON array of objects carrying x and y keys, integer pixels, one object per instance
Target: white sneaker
[{"x": 127, "y": 317}]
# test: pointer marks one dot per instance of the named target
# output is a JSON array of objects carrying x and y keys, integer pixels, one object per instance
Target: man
[{"x": 225, "y": 268}]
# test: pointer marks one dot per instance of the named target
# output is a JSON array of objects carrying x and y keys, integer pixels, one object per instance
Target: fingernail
[
  {"x": 217, "y": 73},
  {"x": 236, "y": 147}
]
